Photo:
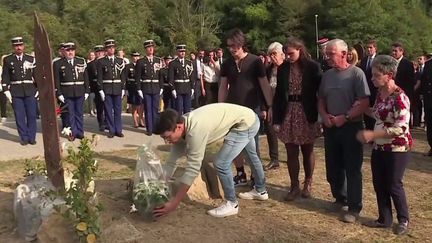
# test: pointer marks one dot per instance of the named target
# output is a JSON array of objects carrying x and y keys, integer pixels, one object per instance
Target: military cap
[
  {"x": 98, "y": 48},
  {"x": 169, "y": 57},
  {"x": 135, "y": 54},
  {"x": 181, "y": 47},
  {"x": 322, "y": 41},
  {"x": 148, "y": 43},
  {"x": 69, "y": 45},
  {"x": 109, "y": 42},
  {"x": 17, "y": 41},
  {"x": 61, "y": 46}
]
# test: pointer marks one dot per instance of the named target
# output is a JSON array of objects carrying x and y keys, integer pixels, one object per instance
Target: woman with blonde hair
[{"x": 352, "y": 57}]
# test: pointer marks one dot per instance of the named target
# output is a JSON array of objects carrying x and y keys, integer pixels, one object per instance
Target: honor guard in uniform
[
  {"x": 93, "y": 80},
  {"x": 133, "y": 98},
  {"x": 20, "y": 89},
  {"x": 64, "y": 115},
  {"x": 149, "y": 84},
  {"x": 182, "y": 76},
  {"x": 111, "y": 85},
  {"x": 72, "y": 85},
  {"x": 167, "y": 87}
]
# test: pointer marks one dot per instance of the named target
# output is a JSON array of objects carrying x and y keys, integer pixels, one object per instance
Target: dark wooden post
[{"x": 45, "y": 83}]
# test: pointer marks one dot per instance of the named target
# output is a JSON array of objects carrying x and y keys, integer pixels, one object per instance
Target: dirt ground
[{"x": 304, "y": 220}]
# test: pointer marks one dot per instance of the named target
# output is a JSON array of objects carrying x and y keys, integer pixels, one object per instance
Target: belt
[
  {"x": 22, "y": 82},
  {"x": 150, "y": 80},
  {"x": 294, "y": 98},
  {"x": 111, "y": 81},
  {"x": 72, "y": 83},
  {"x": 182, "y": 80},
  {"x": 131, "y": 80}
]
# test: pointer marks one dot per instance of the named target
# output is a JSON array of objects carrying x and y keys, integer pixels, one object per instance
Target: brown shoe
[
  {"x": 307, "y": 188},
  {"x": 293, "y": 194}
]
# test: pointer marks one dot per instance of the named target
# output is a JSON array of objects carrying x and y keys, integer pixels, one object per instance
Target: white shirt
[{"x": 210, "y": 73}]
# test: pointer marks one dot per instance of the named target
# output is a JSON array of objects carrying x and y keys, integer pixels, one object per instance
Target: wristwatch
[{"x": 347, "y": 117}]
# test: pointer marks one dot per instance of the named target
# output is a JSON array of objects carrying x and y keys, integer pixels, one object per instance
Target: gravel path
[{"x": 11, "y": 149}]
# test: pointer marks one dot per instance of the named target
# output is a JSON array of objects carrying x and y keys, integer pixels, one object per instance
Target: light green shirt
[{"x": 204, "y": 126}]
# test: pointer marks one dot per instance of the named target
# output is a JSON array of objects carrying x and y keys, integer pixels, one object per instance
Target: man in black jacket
[
  {"x": 20, "y": 89},
  {"x": 72, "y": 85},
  {"x": 366, "y": 66},
  {"x": 111, "y": 86},
  {"x": 149, "y": 85},
  {"x": 93, "y": 80},
  {"x": 182, "y": 77}
]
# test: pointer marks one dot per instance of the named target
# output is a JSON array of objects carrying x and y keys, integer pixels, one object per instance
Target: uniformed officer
[
  {"x": 20, "y": 89},
  {"x": 167, "y": 87},
  {"x": 72, "y": 85},
  {"x": 92, "y": 74},
  {"x": 111, "y": 85},
  {"x": 182, "y": 76},
  {"x": 149, "y": 83},
  {"x": 64, "y": 115},
  {"x": 133, "y": 98}
]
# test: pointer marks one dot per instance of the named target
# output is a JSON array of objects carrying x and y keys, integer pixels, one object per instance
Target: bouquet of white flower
[{"x": 150, "y": 187}]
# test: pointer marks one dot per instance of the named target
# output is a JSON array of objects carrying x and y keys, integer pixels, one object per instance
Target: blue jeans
[{"x": 235, "y": 142}]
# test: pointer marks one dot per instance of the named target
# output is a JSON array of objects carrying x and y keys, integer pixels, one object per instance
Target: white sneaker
[
  {"x": 226, "y": 209},
  {"x": 253, "y": 194}
]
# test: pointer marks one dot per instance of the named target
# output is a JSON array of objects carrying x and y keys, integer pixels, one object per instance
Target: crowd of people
[{"x": 348, "y": 99}]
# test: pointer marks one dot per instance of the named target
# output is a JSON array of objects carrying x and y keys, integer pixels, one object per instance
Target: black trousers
[
  {"x": 272, "y": 141},
  {"x": 388, "y": 169},
  {"x": 3, "y": 105},
  {"x": 416, "y": 108},
  {"x": 344, "y": 159},
  {"x": 428, "y": 119},
  {"x": 211, "y": 90}
]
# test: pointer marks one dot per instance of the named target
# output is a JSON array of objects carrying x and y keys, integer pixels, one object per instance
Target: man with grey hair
[
  {"x": 341, "y": 87},
  {"x": 277, "y": 57}
]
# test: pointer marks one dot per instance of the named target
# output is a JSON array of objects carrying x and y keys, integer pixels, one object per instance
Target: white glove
[
  {"x": 61, "y": 98},
  {"x": 37, "y": 94},
  {"x": 123, "y": 93},
  {"x": 102, "y": 95},
  {"x": 86, "y": 96},
  {"x": 8, "y": 96},
  {"x": 174, "y": 93},
  {"x": 192, "y": 92},
  {"x": 161, "y": 92},
  {"x": 140, "y": 93}
]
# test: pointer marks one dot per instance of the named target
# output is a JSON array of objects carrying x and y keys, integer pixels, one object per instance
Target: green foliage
[
  {"x": 35, "y": 167},
  {"x": 84, "y": 209},
  {"x": 204, "y": 23}
]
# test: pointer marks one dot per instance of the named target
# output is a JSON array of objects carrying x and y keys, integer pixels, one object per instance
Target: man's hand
[
  {"x": 327, "y": 120},
  {"x": 192, "y": 92},
  {"x": 102, "y": 95},
  {"x": 165, "y": 209},
  {"x": 203, "y": 93},
  {"x": 161, "y": 92},
  {"x": 86, "y": 95},
  {"x": 36, "y": 94},
  {"x": 140, "y": 94},
  {"x": 123, "y": 93},
  {"x": 61, "y": 98},
  {"x": 174, "y": 93},
  {"x": 338, "y": 121},
  {"x": 8, "y": 95},
  {"x": 276, "y": 128}
]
